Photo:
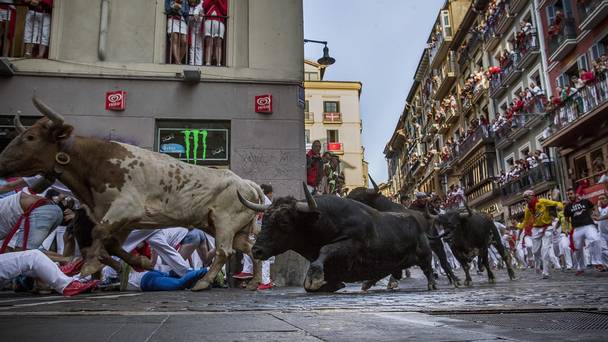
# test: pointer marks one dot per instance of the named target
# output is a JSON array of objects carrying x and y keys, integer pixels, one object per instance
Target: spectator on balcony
[
  {"x": 177, "y": 12},
  {"x": 37, "y": 27},
  {"x": 314, "y": 167},
  {"x": 545, "y": 162},
  {"x": 8, "y": 15},
  {"x": 215, "y": 28},
  {"x": 195, "y": 34}
]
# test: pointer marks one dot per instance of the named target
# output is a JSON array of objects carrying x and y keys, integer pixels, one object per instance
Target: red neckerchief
[{"x": 603, "y": 206}]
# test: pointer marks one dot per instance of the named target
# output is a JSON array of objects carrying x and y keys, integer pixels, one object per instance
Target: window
[
  {"x": 306, "y": 106},
  {"x": 307, "y": 136},
  {"x": 582, "y": 62},
  {"x": 331, "y": 106},
  {"x": 561, "y": 80},
  {"x": 580, "y": 167},
  {"x": 509, "y": 162},
  {"x": 445, "y": 22},
  {"x": 524, "y": 150},
  {"x": 311, "y": 76},
  {"x": 195, "y": 142},
  {"x": 333, "y": 136},
  {"x": 550, "y": 14},
  {"x": 599, "y": 48}
]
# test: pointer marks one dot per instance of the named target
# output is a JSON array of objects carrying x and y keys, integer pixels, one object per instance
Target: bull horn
[
  {"x": 373, "y": 183},
  {"x": 436, "y": 237},
  {"x": 47, "y": 111},
  {"x": 18, "y": 125},
  {"x": 312, "y": 205},
  {"x": 253, "y": 206}
]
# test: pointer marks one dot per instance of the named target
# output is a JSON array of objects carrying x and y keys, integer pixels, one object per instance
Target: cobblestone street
[{"x": 565, "y": 308}]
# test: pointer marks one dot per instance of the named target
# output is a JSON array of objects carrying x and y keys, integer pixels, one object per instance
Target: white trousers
[
  {"x": 248, "y": 267},
  {"x": 589, "y": 236},
  {"x": 37, "y": 28},
  {"x": 542, "y": 244},
  {"x": 160, "y": 240},
  {"x": 33, "y": 263},
  {"x": 195, "y": 55},
  {"x": 563, "y": 248},
  {"x": 55, "y": 236}
]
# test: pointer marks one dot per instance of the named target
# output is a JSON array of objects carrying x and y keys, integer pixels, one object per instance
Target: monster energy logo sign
[{"x": 196, "y": 135}]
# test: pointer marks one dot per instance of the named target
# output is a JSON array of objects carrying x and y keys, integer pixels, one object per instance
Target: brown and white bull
[{"x": 126, "y": 188}]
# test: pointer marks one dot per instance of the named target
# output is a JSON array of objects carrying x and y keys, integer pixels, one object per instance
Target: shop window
[{"x": 195, "y": 142}]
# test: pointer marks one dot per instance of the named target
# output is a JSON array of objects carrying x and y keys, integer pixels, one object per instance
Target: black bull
[
  {"x": 344, "y": 240},
  {"x": 470, "y": 234},
  {"x": 374, "y": 199}
]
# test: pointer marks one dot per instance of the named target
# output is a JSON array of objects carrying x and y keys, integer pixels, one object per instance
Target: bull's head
[
  {"x": 280, "y": 223},
  {"x": 34, "y": 149},
  {"x": 452, "y": 221}
]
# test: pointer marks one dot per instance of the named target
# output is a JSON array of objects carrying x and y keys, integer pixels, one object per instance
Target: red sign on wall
[
  {"x": 593, "y": 193},
  {"x": 263, "y": 103},
  {"x": 115, "y": 100}
]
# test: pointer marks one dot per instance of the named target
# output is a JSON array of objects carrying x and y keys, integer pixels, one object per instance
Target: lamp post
[{"x": 326, "y": 59}]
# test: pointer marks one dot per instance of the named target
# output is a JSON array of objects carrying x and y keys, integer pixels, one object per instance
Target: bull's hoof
[
  {"x": 252, "y": 286},
  {"x": 392, "y": 285},
  {"x": 468, "y": 282},
  {"x": 91, "y": 267},
  {"x": 432, "y": 286},
  {"x": 315, "y": 278},
  {"x": 511, "y": 275},
  {"x": 367, "y": 285},
  {"x": 492, "y": 280},
  {"x": 201, "y": 285},
  {"x": 456, "y": 283}
]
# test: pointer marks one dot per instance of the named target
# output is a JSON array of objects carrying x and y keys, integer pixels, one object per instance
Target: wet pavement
[{"x": 564, "y": 307}]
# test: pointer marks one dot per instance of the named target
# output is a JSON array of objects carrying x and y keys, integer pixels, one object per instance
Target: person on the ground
[
  {"x": 578, "y": 215},
  {"x": 538, "y": 223},
  {"x": 26, "y": 220},
  {"x": 33, "y": 263}
]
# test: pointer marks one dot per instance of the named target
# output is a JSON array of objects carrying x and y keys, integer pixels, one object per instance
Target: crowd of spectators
[{"x": 534, "y": 167}]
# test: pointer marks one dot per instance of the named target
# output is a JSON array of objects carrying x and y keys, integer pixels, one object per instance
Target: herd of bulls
[{"x": 366, "y": 237}]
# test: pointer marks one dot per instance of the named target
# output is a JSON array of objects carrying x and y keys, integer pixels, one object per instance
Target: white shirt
[
  {"x": 603, "y": 225},
  {"x": 10, "y": 211}
]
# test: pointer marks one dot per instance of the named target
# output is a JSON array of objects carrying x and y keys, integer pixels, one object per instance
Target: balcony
[
  {"x": 465, "y": 53},
  {"x": 562, "y": 39},
  {"x": 491, "y": 39},
  {"x": 467, "y": 105},
  {"x": 438, "y": 50},
  {"x": 505, "y": 18},
  {"x": 538, "y": 178},
  {"x": 592, "y": 12},
  {"x": 309, "y": 117},
  {"x": 452, "y": 117},
  {"x": 483, "y": 190},
  {"x": 511, "y": 70},
  {"x": 332, "y": 118},
  {"x": 496, "y": 88},
  {"x": 521, "y": 123},
  {"x": 194, "y": 52},
  {"x": 529, "y": 50},
  {"x": 478, "y": 93},
  {"x": 335, "y": 147},
  {"x": 30, "y": 41},
  {"x": 447, "y": 75},
  {"x": 470, "y": 143},
  {"x": 580, "y": 115}
]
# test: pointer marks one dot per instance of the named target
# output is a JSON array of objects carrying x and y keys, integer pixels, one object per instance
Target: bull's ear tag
[{"x": 62, "y": 158}]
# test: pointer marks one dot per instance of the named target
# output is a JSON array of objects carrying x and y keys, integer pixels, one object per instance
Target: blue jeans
[
  {"x": 43, "y": 220},
  {"x": 161, "y": 281}
]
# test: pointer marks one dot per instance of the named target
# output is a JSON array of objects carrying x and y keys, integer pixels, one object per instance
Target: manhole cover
[{"x": 540, "y": 320}]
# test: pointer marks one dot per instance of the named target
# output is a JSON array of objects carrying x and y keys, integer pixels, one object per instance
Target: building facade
[
  {"x": 332, "y": 116},
  {"x": 243, "y": 111},
  {"x": 481, "y": 113},
  {"x": 576, "y": 43}
]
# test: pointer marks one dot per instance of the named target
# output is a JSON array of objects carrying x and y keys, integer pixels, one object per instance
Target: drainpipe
[
  {"x": 559, "y": 162},
  {"x": 103, "y": 30}
]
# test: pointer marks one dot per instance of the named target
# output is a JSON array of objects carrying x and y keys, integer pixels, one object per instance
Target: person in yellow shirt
[{"x": 538, "y": 222}]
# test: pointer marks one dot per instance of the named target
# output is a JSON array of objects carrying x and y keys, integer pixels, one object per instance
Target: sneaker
[
  {"x": 76, "y": 287},
  {"x": 579, "y": 273},
  {"x": 73, "y": 267},
  {"x": 265, "y": 286},
  {"x": 243, "y": 275}
]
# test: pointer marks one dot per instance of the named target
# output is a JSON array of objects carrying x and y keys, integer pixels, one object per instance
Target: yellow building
[{"x": 332, "y": 116}]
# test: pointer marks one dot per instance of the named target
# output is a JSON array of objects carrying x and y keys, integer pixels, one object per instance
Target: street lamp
[{"x": 326, "y": 59}]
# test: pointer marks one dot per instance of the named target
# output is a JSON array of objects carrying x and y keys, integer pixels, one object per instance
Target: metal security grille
[{"x": 540, "y": 320}]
